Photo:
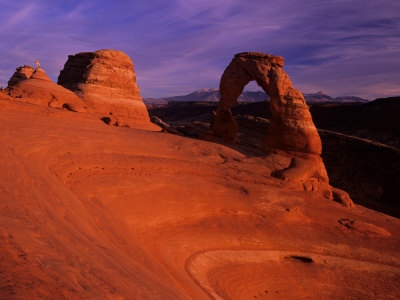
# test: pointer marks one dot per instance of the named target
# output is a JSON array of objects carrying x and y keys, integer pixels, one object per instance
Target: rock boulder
[
  {"x": 21, "y": 73},
  {"x": 106, "y": 80}
]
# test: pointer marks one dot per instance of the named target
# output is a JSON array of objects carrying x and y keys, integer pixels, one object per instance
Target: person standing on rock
[{"x": 37, "y": 63}]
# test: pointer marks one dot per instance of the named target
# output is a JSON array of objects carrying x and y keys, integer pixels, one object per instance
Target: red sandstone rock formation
[
  {"x": 342, "y": 197},
  {"x": 92, "y": 212},
  {"x": 106, "y": 80},
  {"x": 39, "y": 89},
  {"x": 20, "y": 74},
  {"x": 291, "y": 134},
  {"x": 291, "y": 126}
]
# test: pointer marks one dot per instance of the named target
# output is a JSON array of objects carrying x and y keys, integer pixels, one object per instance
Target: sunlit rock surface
[
  {"x": 90, "y": 211},
  {"x": 39, "y": 89},
  {"x": 106, "y": 80},
  {"x": 21, "y": 73},
  {"x": 291, "y": 134}
]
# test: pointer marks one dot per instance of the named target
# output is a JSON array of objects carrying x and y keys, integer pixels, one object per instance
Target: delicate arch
[{"x": 291, "y": 127}]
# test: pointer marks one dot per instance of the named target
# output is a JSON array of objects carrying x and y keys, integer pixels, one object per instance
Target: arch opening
[
  {"x": 291, "y": 127},
  {"x": 292, "y": 135}
]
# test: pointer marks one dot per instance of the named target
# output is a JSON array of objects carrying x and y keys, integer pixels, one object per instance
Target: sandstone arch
[
  {"x": 292, "y": 136},
  {"x": 291, "y": 125}
]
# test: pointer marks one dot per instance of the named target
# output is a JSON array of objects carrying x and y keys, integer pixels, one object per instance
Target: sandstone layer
[
  {"x": 39, "y": 89},
  {"x": 291, "y": 132},
  {"x": 20, "y": 74},
  {"x": 90, "y": 211},
  {"x": 106, "y": 80}
]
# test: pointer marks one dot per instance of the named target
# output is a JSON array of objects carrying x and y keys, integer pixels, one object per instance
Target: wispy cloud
[
  {"x": 339, "y": 47},
  {"x": 20, "y": 15}
]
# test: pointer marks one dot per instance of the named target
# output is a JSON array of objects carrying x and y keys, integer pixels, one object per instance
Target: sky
[{"x": 340, "y": 47}]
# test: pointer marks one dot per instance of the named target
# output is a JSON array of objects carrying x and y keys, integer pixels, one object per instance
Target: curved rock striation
[
  {"x": 92, "y": 212},
  {"x": 106, "y": 80},
  {"x": 291, "y": 133},
  {"x": 21, "y": 73},
  {"x": 39, "y": 89}
]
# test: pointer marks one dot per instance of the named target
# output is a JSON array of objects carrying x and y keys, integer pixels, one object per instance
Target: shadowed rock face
[
  {"x": 291, "y": 134},
  {"x": 20, "y": 74},
  {"x": 106, "y": 80}
]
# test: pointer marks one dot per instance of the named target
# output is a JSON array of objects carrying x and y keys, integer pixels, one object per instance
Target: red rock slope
[
  {"x": 90, "y": 211},
  {"x": 39, "y": 89}
]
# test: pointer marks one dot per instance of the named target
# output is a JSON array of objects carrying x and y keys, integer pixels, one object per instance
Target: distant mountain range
[
  {"x": 321, "y": 97},
  {"x": 212, "y": 95}
]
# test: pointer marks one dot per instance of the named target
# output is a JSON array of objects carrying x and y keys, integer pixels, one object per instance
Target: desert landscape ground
[
  {"x": 100, "y": 203},
  {"x": 360, "y": 152}
]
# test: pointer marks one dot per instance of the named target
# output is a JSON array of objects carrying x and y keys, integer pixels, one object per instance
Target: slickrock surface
[
  {"x": 4, "y": 95},
  {"x": 367, "y": 170},
  {"x": 106, "y": 80},
  {"x": 40, "y": 90},
  {"x": 90, "y": 211},
  {"x": 291, "y": 132},
  {"x": 20, "y": 74}
]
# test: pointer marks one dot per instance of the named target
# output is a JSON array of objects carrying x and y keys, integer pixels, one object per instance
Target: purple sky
[{"x": 341, "y": 47}]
